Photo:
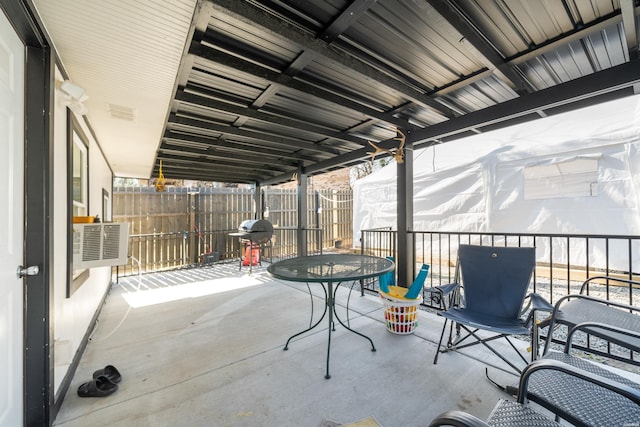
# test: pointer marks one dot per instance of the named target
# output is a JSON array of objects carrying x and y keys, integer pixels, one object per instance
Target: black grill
[{"x": 255, "y": 231}]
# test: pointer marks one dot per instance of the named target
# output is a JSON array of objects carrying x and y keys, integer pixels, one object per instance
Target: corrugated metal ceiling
[{"x": 268, "y": 89}]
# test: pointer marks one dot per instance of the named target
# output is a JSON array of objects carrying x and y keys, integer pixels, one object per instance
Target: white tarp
[{"x": 575, "y": 173}]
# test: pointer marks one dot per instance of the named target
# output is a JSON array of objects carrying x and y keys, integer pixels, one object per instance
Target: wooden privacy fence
[{"x": 185, "y": 226}]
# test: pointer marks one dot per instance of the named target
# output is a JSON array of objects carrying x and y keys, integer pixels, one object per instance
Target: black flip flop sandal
[
  {"x": 110, "y": 372},
  {"x": 98, "y": 387}
]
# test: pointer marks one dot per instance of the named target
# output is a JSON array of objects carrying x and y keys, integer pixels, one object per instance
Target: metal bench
[
  {"x": 583, "y": 308},
  {"x": 617, "y": 403}
]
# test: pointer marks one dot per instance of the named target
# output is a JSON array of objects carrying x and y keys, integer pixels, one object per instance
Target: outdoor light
[
  {"x": 73, "y": 90},
  {"x": 76, "y": 95}
]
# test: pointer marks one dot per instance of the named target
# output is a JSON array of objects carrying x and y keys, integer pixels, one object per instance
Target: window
[
  {"x": 106, "y": 203},
  {"x": 571, "y": 178},
  {"x": 78, "y": 194},
  {"x": 79, "y": 174}
]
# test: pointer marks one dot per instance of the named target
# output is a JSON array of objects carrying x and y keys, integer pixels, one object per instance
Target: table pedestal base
[{"x": 330, "y": 306}]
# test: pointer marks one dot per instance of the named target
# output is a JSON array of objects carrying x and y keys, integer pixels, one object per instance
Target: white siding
[{"x": 72, "y": 316}]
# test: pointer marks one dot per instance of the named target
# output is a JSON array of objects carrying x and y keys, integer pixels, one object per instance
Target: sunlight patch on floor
[{"x": 144, "y": 298}]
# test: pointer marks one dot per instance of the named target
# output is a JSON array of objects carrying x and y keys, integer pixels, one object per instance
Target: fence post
[
  {"x": 318, "y": 212},
  {"x": 192, "y": 226},
  {"x": 184, "y": 247},
  {"x": 335, "y": 216}
]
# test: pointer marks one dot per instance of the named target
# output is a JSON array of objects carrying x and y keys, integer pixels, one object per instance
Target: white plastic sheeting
[{"x": 580, "y": 170}]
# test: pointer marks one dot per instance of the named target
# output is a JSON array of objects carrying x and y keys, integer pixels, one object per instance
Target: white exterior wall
[{"x": 71, "y": 317}]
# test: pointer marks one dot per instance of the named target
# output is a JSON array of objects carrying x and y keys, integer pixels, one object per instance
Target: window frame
[
  {"x": 75, "y": 135},
  {"x": 559, "y": 179}
]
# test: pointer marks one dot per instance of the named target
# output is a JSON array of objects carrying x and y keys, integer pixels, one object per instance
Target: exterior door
[{"x": 11, "y": 223}]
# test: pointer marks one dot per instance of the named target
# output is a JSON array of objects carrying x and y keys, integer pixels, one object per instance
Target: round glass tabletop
[{"x": 330, "y": 267}]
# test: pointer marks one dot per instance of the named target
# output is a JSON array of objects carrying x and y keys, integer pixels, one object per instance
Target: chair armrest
[
  {"x": 558, "y": 317},
  {"x": 557, "y": 307},
  {"x": 569, "y": 297},
  {"x": 536, "y": 303},
  {"x": 457, "y": 419},
  {"x": 587, "y": 327},
  {"x": 590, "y": 280},
  {"x": 447, "y": 289},
  {"x": 621, "y": 389}
]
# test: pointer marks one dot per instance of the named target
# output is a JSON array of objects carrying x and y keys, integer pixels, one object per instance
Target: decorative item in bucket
[
  {"x": 401, "y": 304},
  {"x": 400, "y": 313}
]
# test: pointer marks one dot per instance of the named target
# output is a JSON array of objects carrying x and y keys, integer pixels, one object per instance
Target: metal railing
[{"x": 563, "y": 261}]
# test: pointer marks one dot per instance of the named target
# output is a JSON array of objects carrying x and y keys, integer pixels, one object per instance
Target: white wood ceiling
[{"x": 126, "y": 54}]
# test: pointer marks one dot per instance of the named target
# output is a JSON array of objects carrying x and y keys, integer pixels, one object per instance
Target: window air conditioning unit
[{"x": 100, "y": 245}]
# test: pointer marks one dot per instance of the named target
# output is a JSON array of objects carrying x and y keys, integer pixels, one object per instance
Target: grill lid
[{"x": 256, "y": 225}]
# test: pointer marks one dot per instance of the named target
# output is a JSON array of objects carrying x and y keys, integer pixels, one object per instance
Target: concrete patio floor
[{"x": 204, "y": 347}]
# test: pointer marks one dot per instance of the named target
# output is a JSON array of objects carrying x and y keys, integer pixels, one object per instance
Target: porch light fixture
[
  {"x": 73, "y": 90},
  {"x": 75, "y": 96}
]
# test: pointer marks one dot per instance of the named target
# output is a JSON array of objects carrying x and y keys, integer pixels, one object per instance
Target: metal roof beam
[
  {"x": 210, "y": 169},
  {"x": 630, "y": 28},
  {"x": 213, "y": 104},
  {"x": 565, "y": 38},
  {"x": 256, "y": 17},
  {"x": 209, "y": 174},
  {"x": 593, "y": 85},
  {"x": 343, "y": 21},
  {"x": 220, "y": 156},
  {"x": 349, "y": 15},
  {"x": 547, "y": 47},
  {"x": 217, "y": 161},
  {"x": 269, "y": 76},
  {"x": 345, "y": 160},
  {"x": 476, "y": 42},
  {"x": 288, "y": 147}
]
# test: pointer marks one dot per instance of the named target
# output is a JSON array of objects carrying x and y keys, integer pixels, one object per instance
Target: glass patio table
[{"x": 329, "y": 269}]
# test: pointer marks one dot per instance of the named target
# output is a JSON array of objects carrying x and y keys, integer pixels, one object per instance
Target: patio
[{"x": 203, "y": 346}]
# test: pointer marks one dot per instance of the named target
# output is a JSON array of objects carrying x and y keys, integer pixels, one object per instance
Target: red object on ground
[{"x": 251, "y": 255}]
